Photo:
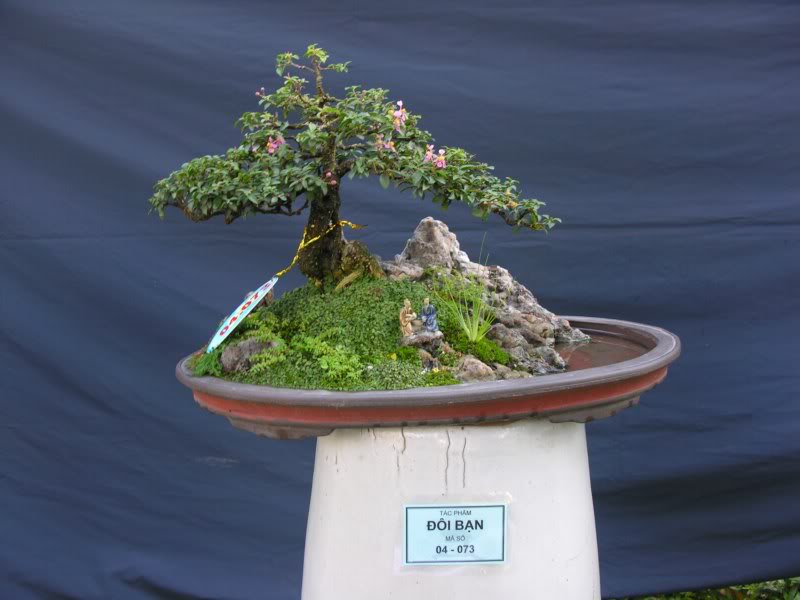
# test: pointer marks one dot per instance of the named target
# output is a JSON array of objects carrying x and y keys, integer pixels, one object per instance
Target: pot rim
[{"x": 663, "y": 347}]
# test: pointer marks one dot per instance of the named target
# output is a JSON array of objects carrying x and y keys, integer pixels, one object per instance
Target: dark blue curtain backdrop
[{"x": 665, "y": 134}]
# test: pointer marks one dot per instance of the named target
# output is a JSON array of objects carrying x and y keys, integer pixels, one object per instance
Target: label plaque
[{"x": 449, "y": 534}]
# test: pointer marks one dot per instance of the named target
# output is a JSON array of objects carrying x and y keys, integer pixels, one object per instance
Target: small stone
[
  {"x": 550, "y": 356},
  {"x": 504, "y": 372},
  {"x": 518, "y": 375},
  {"x": 237, "y": 356},
  {"x": 506, "y": 337},
  {"x": 471, "y": 369},
  {"x": 537, "y": 366},
  {"x": 428, "y": 341},
  {"x": 428, "y": 360},
  {"x": 402, "y": 271},
  {"x": 501, "y": 370}
]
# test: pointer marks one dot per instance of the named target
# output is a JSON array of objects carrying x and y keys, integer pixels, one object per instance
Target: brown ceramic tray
[{"x": 580, "y": 396}]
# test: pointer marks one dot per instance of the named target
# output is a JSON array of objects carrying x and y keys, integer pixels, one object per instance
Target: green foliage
[
  {"x": 261, "y": 325},
  {"x": 303, "y": 141},
  {"x": 340, "y": 367},
  {"x": 328, "y": 339},
  {"x": 362, "y": 317},
  {"x": 483, "y": 349},
  {"x": 407, "y": 354},
  {"x": 264, "y": 362},
  {"x": 206, "y": 364},
  {"x": 464, "y": 311},
  {"x": 786, "y": 589},
  {"x": 399, "y": 374},
  {"x": 449, "y": 359},
  {"x": 465, "y": 318},
  {"x": 441, "y": 377},
  {"x": 394, "y": 375}
]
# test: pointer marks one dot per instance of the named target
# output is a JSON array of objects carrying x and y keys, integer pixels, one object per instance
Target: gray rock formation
[
  {"x": 470, "y": 369},
  {"x": 523, "y": 327},
  {"x": 237, "y": 356},
  {"x": 428, "y": 360},
  {"x": 504, "y": 372},
  {"x": 429, "y": 341}
]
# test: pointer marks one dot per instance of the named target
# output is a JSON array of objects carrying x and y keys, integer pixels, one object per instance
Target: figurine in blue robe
[{"x": 428, "y": 314}]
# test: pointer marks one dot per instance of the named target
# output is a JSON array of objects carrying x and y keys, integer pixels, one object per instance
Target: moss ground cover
[
  {"x": 346, "y": 339},
  {"x": 785, "y": 589}
]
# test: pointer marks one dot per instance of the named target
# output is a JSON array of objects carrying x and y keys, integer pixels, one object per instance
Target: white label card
[
  {"x": 245, "y": 308},
  {"x": 454, "y": 533}
]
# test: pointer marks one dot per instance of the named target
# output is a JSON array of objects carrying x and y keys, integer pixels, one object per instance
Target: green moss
[
  {"x": 344, "y": 339},
  {"x": 407, "y": 354},
  {"x": 484, "y": 349},
  {"x": 449, "y": 359},
  {"x": 363, "y": 317},
  {"x": 394, "y": 375},
  {"x": 441, "y": 377}
]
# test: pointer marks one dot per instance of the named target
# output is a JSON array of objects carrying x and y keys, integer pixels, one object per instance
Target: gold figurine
[{"x": 406, "y": 316}]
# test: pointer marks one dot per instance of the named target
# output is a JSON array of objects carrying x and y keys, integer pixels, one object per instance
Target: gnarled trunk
[{"x": 322, "y": 260}]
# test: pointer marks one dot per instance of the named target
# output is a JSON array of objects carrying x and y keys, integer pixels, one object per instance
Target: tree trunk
[{"x": 322, "y": 260}]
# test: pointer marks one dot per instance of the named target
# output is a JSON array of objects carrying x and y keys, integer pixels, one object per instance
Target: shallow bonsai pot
[
  {"x": 517, "y": 446},
  {"x": 585, "y": 394}
]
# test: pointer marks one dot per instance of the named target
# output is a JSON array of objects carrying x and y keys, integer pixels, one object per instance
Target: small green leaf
[{"x": 384, "y": 181}]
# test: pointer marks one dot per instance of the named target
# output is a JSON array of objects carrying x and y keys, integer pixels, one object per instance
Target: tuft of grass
[
  {"x": 464, "y": 307},
  {"x": 465, "y": 318}
]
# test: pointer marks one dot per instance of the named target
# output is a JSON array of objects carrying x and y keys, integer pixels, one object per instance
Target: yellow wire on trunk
[{"x": 305, "y": 242}]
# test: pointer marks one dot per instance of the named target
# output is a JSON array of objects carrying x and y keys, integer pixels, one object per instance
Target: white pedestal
[{"x": 364, "y": 477}]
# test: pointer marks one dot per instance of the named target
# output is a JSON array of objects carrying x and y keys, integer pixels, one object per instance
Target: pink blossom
[
  {"x": 400, "y": 116},
  {"x": 440, "y": 161},
  {"x": 428, "y": 154},
  {"x": 381, "y": 144},
  {"x": 273, "y": 145}
]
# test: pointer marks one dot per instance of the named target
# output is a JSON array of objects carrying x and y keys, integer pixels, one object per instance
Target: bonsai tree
[{"x": 302, "y": 143}]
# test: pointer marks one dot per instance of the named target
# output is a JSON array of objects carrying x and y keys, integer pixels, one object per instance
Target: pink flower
[
  {"x": 381, "y": 144},
  {"x": 428, "y": 154},
  {"x": 400, "y": 116},
  {"x": 440, "y": 161},
  {"x": 273, "y": 145}
]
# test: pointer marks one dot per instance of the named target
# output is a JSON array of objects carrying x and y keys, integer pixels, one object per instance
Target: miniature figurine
[
  {"x": 428, "y": 313},
  {"x": 406, "y": 316}
]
